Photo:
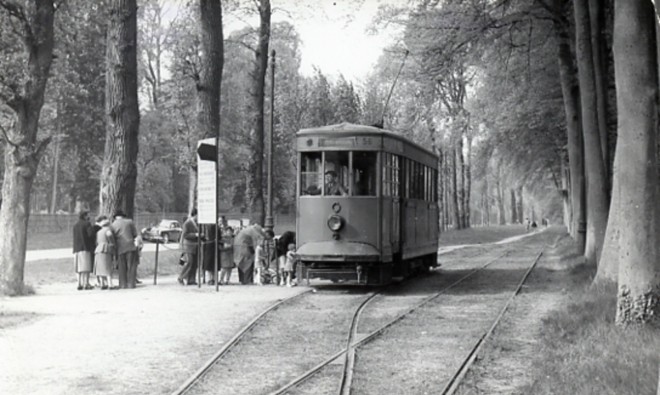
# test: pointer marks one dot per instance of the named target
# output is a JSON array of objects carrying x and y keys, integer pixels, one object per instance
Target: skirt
[
  {"x": 82, "y": 262},
  {"x": 103, "y": 264},
  {"x": 227, "y": 258}
]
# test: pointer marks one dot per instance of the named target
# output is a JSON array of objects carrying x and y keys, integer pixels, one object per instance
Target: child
[
  {"x": 259, "y": 261},
  {"x": 104, "y": 253},
  {"x": 291, "y": 258}
]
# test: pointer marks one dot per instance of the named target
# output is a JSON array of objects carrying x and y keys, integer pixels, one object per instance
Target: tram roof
[{"x": 346, "y": 129}]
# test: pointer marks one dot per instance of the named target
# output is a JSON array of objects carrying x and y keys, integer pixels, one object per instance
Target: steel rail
[
  {"x": 451, "y": 387},
  {"x": 316, "y": 368},
  {"x": 349, "y": 356},
  {"x": 378, "y": 331},
  {"x": 192, "y": 380}
]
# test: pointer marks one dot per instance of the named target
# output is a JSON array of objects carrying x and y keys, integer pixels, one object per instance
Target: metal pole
[
  {"x": 156, "y": 263},
  {"x": 269, "y": 223}
]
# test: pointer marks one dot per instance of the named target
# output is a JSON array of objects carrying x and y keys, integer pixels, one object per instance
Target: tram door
[{"x": 395, "y": 235}]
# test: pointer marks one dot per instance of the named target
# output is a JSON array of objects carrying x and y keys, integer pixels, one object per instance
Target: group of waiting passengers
[
  {"x": 259, "y": 257},
  {"x": 103, "y": 247}
]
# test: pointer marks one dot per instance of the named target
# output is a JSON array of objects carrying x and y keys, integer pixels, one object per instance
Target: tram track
[
  {"x": 455, "y": 381},
  {"x": 458, "y": 326},
  {"x": 337, "y": 369},
  {"x": 345, "y": 380}
]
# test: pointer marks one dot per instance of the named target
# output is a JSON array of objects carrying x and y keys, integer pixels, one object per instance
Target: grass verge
[
  {"x": 480, "y": 235},
  {"x": 582, "y": 351}
]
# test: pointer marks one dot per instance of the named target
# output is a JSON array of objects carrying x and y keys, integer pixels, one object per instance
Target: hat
[{"x": 104, "y": 222}]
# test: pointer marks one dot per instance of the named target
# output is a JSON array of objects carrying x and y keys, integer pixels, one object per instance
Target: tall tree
[
  {"x": 26, "y": 54},
  {"x": 597, "y": 205},
  {"x": 635, "y": 163},
  {"x": 256, "y": 170},
  {"x": 119, "y": 174},
  {"x": 210, "y": 74}
]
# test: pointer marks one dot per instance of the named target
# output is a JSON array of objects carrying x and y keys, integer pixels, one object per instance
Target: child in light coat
[{"x": 291, "y": 258}]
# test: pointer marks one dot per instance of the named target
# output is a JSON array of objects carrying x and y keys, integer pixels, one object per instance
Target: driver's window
[
  {"x": 364, "y": 173},
  {"x": 335, "y": 173},
  {"x": 311, "y": 176}
]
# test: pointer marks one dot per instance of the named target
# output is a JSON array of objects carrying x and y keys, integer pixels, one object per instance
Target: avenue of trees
[{"x": 539, "y": 109}]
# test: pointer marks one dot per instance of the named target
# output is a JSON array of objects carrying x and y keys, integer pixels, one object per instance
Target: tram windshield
[
  {"x": 364, "y": 174},
  {"x": 328, "y": 173}
]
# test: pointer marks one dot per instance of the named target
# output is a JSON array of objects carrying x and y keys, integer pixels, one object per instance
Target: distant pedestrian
[
  {"x": 83, "y": 248},
  {"x": 226, "y": 255},
  {"x": 289, "y": 266},
  {"x": 528, "y": 223},
  {"x": 105, "y": 253},
  {"x": 189, "y": 244},
  {"x": 128, "y": 243}
]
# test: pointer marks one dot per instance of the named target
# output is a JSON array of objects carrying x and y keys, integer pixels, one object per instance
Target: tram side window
[
  {"x": 311, "y": 176},
  {"x": 336, "y": 173},
  {"x": 364, "y": 173},
  {"x": 390, "y": 175}
]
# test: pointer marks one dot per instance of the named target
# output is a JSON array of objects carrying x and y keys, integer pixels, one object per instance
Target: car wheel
[{"x": 166, "y": 238}]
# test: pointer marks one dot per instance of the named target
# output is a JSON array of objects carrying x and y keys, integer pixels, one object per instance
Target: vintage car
[{"x": 167, "y": 230}]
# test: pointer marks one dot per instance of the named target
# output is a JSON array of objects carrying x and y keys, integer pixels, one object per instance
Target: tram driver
[{"x": 332, "y": 186}]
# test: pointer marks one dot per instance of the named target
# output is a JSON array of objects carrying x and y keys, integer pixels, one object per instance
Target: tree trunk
[
  {"x": 256, "y": 169},
  {"x": 119, "y": 174},
  {"x": 520, "y": 206},
  {"x": 570, "y": 93},
  {"x": 447, "y": 189},
  {"x": 565, "y": 193},
  {"x": 22, "y": 149},
  {"x": 486, "y": 202},
  {"x": 468, "y": 181},
  {"x": 597, "y": 207},
  {"x": 514, "y": 217},
  {"x": 455, "y": 198},
  {"x": 501, "y": 215},
  {"x": 461, "y": 182},
  {"x": 635, "y": 176},
  {"x": 597, "y": 21},
  {"x": 56, "y": 159}
]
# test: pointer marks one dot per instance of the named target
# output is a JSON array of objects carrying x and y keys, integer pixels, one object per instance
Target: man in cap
[{"x": 332, "y": 186}]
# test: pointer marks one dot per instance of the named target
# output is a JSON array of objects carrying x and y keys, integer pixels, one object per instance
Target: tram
[{"x": 366, "y": 205}]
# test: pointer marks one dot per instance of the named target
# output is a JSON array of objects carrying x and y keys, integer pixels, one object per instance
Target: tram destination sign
[{"x": 349, "y": 142}]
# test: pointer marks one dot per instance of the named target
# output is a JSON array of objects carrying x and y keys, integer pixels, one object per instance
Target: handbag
[{"x": 182, "y": 259}]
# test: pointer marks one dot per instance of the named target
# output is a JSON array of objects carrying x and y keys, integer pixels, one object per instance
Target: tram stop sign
[{"x": 206, "y": 181}]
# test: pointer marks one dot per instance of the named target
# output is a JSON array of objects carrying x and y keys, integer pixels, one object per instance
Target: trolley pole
[{"x": 269, "y": 223}]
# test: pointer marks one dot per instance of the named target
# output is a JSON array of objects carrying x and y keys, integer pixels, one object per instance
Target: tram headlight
[{"x": 335, "y": 222}]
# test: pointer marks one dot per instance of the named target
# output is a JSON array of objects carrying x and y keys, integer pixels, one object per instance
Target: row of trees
[{"x": 532, "y": 85}]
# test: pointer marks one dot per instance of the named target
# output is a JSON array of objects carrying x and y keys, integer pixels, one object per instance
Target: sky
[{"x": 334, "y": 34}]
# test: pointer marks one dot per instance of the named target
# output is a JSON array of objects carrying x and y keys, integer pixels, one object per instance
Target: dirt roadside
[{"x": 142, "y": 341}]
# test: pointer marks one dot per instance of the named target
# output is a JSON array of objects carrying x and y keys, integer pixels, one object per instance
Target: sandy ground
[{"x": 142, "y": 341}]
